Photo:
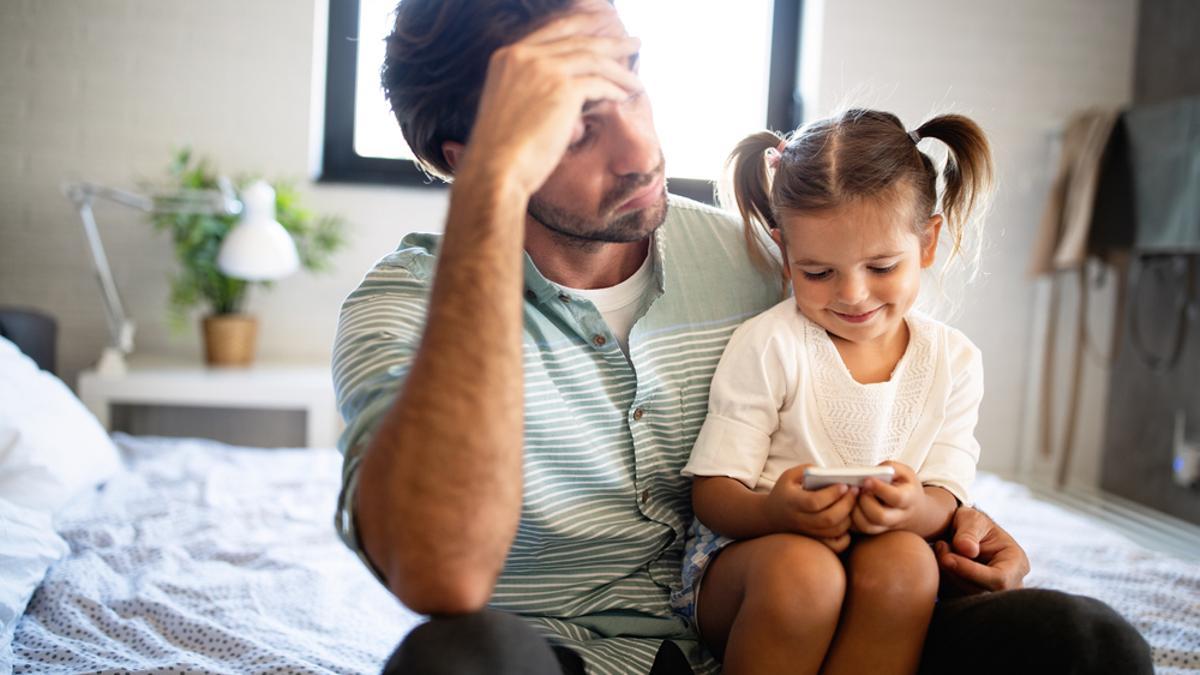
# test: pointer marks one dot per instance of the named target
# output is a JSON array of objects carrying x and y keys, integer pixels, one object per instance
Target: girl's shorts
[{"x": 702, "y": 546}]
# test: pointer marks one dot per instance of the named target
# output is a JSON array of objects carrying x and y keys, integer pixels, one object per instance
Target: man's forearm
[{"x": 439, "y": 490}]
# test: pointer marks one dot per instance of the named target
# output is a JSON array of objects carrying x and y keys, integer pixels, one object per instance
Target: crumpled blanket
[
  {"x": 206, "y": 557},
  {"x": 1158, "y": 593}
]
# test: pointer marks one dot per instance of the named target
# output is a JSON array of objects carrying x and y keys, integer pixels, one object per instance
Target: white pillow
[
  {"x": 51, "y": 447},
  {"x": 28, "y": 547}
]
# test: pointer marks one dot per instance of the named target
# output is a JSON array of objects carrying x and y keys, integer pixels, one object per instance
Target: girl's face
[{"x": 856, "y": 269}]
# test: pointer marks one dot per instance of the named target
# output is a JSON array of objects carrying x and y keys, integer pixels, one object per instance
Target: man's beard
[{"x": 584, "y": 231}]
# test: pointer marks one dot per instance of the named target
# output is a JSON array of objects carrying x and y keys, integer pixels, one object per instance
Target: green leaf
[{"x": 197, "y": 238}]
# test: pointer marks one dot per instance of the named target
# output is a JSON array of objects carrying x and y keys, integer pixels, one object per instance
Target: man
[{"x": 522, "y": 392}]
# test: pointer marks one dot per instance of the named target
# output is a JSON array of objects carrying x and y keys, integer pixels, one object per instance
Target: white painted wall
[
  {"x": 1019, "y": 68},
  {"x": 103, "y": 89}
]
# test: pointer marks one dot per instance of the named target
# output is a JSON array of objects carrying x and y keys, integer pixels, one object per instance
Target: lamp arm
[
  {"x": 120, "y": 328},
  {"x": 85, "y": 193}
]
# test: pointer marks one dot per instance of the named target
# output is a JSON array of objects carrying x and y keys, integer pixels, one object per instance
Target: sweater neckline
[{"x": 821, "y": 337}]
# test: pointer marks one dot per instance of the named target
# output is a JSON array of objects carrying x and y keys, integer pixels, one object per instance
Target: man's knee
[
  {"x": 1033, "y": 630},
  {"x": 483, "y": 642},
  {"x": 1096, "y": 638}
]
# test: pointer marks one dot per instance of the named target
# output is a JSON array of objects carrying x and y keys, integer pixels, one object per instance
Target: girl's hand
[
  {"x": 822, "y": 514},
  {"x": 882, "y": 507}
]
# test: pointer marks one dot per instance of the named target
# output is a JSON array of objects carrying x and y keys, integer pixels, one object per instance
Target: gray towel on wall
[{"x": 1164, "y": 146}]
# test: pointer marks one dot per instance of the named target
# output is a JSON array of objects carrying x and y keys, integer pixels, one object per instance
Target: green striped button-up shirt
[{"x": 605, "y": 508}]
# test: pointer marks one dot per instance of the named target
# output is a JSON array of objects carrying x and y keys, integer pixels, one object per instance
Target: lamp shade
[{"x": 258, "y": 248}]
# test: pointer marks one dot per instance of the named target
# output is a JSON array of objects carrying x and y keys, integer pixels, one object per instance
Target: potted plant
[{"x": 230, "y": 334}]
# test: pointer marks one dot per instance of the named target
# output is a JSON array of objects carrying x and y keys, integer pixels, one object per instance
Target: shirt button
[
  {"x": 637, "y": 414},
  {"x": 645, "y": 496},
  {"x": 599, "y": 340},
  {"x": 530, "y": 295},
  {"x": 564, "y": 297}
]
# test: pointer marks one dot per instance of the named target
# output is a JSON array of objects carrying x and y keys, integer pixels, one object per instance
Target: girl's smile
[
  {"x": 857, "y": 318},
  {"x": 856, "y": 269}
]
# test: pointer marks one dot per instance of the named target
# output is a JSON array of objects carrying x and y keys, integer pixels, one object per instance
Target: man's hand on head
[
  {"x": 981, "y": 557},
  {"x": 537, "y": 87}
]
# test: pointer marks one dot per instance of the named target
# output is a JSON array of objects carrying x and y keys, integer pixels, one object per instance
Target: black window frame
[{"x": 341, "y": 164}]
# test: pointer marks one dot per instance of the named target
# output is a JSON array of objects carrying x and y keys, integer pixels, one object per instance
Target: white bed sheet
[
  {"x": 205, "y": 557},
  {"x": 210, "y": 558},
  {"x": 1158, "y": 593}
]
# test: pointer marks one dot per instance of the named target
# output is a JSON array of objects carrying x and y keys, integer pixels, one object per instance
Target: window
[{"x": 715, "y": 70}]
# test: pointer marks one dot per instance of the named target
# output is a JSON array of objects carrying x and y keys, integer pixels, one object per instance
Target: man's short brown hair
[{"x": 437, "y": 60}]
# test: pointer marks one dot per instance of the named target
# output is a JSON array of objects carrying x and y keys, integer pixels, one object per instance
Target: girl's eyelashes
[{"x": 826, "y": 274}]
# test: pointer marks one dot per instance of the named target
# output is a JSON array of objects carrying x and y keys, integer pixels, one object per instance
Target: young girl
[{"x": 842, "y": 374}]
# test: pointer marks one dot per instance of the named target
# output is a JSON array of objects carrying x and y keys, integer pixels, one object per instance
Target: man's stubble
[{"x": 576, "y": 230}]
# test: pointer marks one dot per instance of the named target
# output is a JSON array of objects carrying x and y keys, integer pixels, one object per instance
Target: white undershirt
[{"x": 620, "y": 304}]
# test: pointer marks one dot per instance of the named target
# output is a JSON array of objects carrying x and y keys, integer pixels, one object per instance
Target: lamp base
[
  {"x": 230, "y": 339},
  {"x": 111, "y": 363}
]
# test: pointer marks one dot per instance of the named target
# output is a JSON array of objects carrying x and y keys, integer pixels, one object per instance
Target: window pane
[
  {"x": 376, "y": 133},
  {"x": 705, "y": 64}
]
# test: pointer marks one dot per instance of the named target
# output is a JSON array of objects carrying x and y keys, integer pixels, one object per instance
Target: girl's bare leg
[
  {"x": 892, "y": 585},
  {"x": 771, "y": 604}
]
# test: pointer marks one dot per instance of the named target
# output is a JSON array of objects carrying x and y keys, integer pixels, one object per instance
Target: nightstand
[{"x": 204, "y": 392}]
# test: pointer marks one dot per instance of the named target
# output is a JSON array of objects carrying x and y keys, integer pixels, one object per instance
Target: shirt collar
[{"x": 540, "y": 289}]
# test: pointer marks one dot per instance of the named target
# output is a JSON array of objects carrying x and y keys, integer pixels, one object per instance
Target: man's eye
[
  {"x": 817, "y": 276},
  {"x": 884, "y": 270},
  {"x": 584, "y": 138}
]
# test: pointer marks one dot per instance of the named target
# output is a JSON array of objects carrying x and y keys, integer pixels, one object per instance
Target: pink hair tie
[{"x": 776, "y": 153}]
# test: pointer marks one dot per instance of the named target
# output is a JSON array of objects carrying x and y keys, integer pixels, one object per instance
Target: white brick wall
[
  {"x": 1020, "y": 68},
  {"x": 103, "y": 89}
]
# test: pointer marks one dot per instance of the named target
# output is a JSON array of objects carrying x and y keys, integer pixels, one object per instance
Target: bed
[
  {"x": 198, "y": 556},
  {"x": 206, "y": 557}
]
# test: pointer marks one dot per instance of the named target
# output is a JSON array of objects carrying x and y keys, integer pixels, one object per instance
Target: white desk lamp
[{"x": 257, "y": 249}]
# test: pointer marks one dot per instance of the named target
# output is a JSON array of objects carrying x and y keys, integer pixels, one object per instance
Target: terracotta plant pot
[{"x": 230, "y": 339}]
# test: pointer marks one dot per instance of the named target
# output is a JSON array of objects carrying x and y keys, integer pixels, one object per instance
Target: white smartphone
[{"x": 816, "y": 477}]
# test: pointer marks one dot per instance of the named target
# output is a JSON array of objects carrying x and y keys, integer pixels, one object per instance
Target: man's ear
[
  {"x": 777, "y": 237},
  {"x": 452, "y": 152},
  {"x": 933, "y": 227}
]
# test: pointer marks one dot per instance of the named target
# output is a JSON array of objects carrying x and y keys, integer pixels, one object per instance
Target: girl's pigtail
[
  {"x": 968, "y": 172},
  {"x": 748, "y": 187}
]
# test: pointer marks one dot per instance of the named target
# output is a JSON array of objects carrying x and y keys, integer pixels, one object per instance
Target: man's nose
[{"x": 634, "y": 144}]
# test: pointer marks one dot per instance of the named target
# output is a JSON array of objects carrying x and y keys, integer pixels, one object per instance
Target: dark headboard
[{"x": 34, "y": 333}]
